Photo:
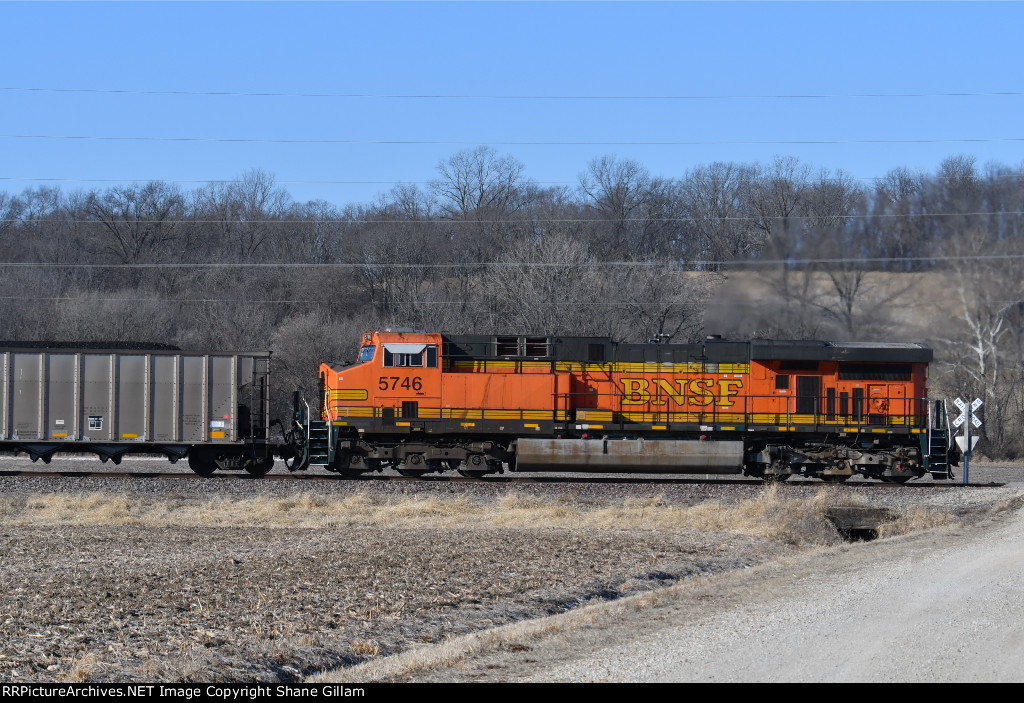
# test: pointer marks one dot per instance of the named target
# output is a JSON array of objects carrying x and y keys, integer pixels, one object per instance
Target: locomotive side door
[
  {"x": 878, "y": 403},
  {"x": 899, "y": 410}
]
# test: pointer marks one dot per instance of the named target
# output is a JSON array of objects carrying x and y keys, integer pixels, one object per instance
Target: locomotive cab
[{"x": 397, "y": 373}]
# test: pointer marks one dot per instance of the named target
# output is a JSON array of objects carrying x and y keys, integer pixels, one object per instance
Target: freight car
[
  {"x": 213, "y": 408},
  {"x": 423, "y": 402}
]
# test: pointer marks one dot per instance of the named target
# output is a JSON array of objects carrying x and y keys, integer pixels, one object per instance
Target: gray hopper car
[{"x": 213, "y": 408}]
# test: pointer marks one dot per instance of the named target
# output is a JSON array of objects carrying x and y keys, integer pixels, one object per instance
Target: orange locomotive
[{"x": 426, "y": 402}]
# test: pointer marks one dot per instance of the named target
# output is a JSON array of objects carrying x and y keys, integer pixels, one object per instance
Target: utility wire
[
  {"x": 524, "y": 221},
  {"x": 311, "y": 301},
  {"x": 457, "y": 142},
  {"x": 276, "y": 180},
  {"x": 469, "y": 96},
  {"x": 667, "y": 267},
  {"x": 399, "y": 181}
]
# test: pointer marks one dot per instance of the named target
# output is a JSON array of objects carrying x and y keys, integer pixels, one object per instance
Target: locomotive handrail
[{"x": 308, "y": 424}]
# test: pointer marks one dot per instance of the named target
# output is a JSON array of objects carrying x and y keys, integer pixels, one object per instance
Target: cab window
[
  {"x": 366, "y": 353},
  {"x": 426, "y": 358}
]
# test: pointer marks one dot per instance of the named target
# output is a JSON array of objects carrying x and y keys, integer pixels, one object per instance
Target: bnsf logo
[{"x": 681, "y": 391}]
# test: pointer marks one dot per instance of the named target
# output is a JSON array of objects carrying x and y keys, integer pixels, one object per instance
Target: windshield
[{"x": 366, "y": 353}]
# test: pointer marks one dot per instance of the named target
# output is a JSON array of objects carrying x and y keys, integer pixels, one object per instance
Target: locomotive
[{"x": 422, "y": 402}]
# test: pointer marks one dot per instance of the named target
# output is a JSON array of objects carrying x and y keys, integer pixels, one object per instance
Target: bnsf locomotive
[{"x": 424, "y": 402}]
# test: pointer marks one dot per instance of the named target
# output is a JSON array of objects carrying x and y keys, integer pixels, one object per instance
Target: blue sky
[{"x": 735, "y": 51}]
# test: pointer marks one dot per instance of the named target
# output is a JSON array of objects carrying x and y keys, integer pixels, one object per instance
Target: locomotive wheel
[
  {"x": 259, "y": 466},
  {"x": 348, "y": 466},
  {"x": 413, "y": 466},
  {"x": 475, "y": 466}
]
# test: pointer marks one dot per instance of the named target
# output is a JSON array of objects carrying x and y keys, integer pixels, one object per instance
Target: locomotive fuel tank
[{"x": 623, "y": 455}]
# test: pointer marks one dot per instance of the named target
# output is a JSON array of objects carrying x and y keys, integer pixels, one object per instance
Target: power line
[
  {"x": 527, "y": 96},
  {"x": 667, "y": 267},
  {"x": 398, "y": 181},
  {"x": 456, "y": 142},
  {"x": 240, "y": 180},
  {"x": 528, "y": 220},
  {"x": 313, "y": 301}
]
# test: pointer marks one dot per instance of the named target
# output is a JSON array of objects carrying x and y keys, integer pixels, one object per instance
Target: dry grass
[
  {"x": 84, "y": 668},
  {"x": 773, "y": 514},
  {"x": 917, "y": 520}
]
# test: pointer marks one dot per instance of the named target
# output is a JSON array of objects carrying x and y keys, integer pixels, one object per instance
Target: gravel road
[
  {"x": 945, "y": 605},
  {"x": 931, "y": 612}
]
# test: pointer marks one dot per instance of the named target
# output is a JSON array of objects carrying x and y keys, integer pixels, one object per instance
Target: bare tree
[
  {"x": 542, "y": 287},
  {"x": 243, "y": 212},
  {"x": 10, "y": 213},
  {"x": 139, "y": 221},
  {"x": 892, "y": 228},
  {"x": 315, "y": 233},
  {"x": 660, "y": 300},
  {"x": 616, "y": 187},
  {"x": 825, "y": 273},
  {"x": 633, "y": 209},
  {"x": 478, "y": 184},
  {"x": 716, "y": 199},
  {"x": 407, "y": 201},
  {"x": 777, "y": 193},
  {"x": 990, "y": 293}
]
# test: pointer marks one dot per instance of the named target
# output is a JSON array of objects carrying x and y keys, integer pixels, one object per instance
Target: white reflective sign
[
  {"x": 961, "y": 441},
  {"x": 975, "y": 421},
  {"x": 960, "y": 420},
  {"x": 960, "y": 404},
  {"x": 976, "y": 404}
]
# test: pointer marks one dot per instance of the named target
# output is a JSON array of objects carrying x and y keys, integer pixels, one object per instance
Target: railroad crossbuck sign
[
  {"x": 962, "y": 440},
  {"x": 964, "y": 412}
]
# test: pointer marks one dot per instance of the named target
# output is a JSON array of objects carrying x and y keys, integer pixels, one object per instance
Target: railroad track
[{"x": 463, "y": 479}]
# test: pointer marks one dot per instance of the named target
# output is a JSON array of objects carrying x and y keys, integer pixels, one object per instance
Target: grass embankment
[{"x": 772, "y": 515}]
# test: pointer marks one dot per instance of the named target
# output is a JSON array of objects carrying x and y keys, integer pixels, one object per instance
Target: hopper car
[{"x": 213, "y": 408}]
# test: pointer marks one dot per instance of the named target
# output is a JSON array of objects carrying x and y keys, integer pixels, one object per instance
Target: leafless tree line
[{"x": 482, "y": 248}]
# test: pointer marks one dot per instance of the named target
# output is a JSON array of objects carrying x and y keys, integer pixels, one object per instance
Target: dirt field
[{"x": 226, "y": 580}]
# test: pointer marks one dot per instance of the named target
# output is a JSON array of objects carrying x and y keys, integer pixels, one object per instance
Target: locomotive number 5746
[{"x": 390, "y": 383}]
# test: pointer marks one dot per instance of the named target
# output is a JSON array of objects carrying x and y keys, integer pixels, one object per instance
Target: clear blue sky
[{"x": 735, "y": 50}]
